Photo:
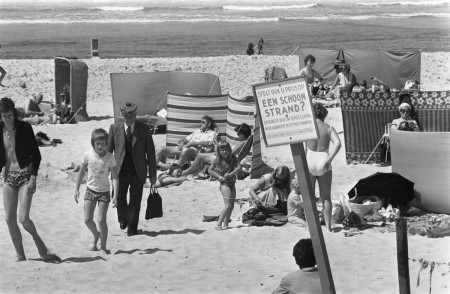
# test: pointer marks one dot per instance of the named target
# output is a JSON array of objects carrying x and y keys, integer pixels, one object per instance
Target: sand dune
[{"x": 179, "y": 253}]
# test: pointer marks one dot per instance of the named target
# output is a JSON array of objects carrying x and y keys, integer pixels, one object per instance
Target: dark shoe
[
  {"x": 123, "y": 225},
  {"x": 131, "y": 233}
]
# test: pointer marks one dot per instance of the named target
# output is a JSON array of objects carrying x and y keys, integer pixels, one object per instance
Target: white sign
[{"x": 286, "y": 112}]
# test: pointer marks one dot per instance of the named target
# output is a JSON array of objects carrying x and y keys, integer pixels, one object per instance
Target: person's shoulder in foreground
[{"x": 305, "y": 280}]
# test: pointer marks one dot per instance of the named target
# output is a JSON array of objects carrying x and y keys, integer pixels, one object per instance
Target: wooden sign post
[
  {"x": 94, "y": 48},
  {"x": 287, "y": 117}
]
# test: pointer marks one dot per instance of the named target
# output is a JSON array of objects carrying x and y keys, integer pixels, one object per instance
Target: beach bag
[{"x": 154, "y": 204}]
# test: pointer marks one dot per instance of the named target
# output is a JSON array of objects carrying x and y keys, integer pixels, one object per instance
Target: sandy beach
[{"x": 179, "y": 253}]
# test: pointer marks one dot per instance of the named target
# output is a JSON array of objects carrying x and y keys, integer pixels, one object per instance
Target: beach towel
[{"x": 365, "y": 115}]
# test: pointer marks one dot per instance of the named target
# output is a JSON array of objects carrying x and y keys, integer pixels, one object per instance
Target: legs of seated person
[
  {"x": 171, "y": 151},
  {"x": 187, "y": 154},
  {"x": 199, "y": 162}
]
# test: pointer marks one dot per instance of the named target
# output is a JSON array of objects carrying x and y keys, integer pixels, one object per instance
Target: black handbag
[{"x": 154, "y": 204}]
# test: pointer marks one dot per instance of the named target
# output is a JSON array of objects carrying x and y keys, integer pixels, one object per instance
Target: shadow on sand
[
  {"x": 171, "y": 232},
  {"x": 140, "y": 251}
]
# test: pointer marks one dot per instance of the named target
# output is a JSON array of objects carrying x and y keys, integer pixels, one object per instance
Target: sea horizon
[{"x": 45, "y": 29}]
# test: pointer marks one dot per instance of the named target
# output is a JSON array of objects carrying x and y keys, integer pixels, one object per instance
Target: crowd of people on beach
[{"x": 122, "y": 160}]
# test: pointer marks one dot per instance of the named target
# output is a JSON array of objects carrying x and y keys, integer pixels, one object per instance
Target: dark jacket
[
  {"x": 27, "y": 150},
  {"x": 143, "y": 148}
]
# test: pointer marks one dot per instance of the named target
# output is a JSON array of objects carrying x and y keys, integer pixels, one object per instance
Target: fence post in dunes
[
  {"x": 94, "y": 48},
  {"x": 402, "y": 255}
]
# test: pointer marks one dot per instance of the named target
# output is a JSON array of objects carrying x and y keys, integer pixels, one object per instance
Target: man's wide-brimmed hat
[{"x": 128, "y": 108}]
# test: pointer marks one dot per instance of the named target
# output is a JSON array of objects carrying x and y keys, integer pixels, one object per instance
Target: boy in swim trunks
[
  {"x": 99, "y": 163},
  {"x": 20, "y": 156}
]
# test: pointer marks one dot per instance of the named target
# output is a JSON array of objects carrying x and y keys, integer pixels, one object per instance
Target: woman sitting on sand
[
  {"x": 270, "y": 193},
  {"x": 319, "y": 160}
]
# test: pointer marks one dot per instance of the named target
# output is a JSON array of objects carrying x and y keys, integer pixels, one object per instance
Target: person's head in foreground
[
  {"x": 129, "y": 112},
  {"x": 304, "y": 254},
  {"x": 8, "y": 112},
  {"x": 207, "y": 123},
  {"x": 243, "y": 131},
  {"x": 310, "y": 60},
  {"x": 320, "y": 111},
  {"x": 282, "y": 178},
  {"x": 38, "y": 98},
  {"x": 99, "y": 140},
  {"x": 405, "y": 110}
]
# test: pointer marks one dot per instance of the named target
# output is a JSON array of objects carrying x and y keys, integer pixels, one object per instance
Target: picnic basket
[{"x": 357, "y": 206}]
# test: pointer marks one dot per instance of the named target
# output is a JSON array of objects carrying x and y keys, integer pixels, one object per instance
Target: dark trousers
[{"x": 129, "y": 212}]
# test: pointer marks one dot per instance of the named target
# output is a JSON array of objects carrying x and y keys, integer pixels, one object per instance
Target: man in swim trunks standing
[{"x": 20, "y": 157}]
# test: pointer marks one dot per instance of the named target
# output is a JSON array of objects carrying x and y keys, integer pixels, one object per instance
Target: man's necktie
[{"x": 129, "y": 134}]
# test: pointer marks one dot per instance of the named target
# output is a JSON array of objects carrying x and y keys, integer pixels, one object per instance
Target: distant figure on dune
[
  {"x": 259, "y": 47},
  {"x": 306, "y": 280},
  {"x": 250, "y": 50},
  {"x": 20, "y": 157}
]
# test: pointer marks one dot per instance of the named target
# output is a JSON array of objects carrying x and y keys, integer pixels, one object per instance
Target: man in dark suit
[{"x": 134, "y": 151}]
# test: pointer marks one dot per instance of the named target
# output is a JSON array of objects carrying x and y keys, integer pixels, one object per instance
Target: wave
[
  {"x": 124, "y": 21},
  {"x": 406, "y": 3},
  {"x": 271, "y": 7},
  {"x": 120, "y": 8},
  {"x": 367, "y": 16}
]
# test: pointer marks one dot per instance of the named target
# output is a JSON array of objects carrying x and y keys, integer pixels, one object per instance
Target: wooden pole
[
  {"x": 94, "y": 48},
  {"x": 309, "y": 202},
  {"x": 402, "y": 255}
]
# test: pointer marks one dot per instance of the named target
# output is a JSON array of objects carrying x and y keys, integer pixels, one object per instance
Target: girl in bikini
[
  {"x": 319, "y": 160},
  {"x": 225, "y": 168}
]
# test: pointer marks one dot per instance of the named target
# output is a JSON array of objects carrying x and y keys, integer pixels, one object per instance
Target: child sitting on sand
[
  {"x": 99, "y": 162},
  {"x": 225, "y": 168}
]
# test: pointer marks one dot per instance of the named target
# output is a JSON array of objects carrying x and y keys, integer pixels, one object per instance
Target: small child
[
  {"x": 99, "y": 162},
  {"x": 225, "y": 168}
]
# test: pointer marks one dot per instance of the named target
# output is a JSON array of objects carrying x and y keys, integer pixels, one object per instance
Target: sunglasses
[{"x": 404, "y": 111}]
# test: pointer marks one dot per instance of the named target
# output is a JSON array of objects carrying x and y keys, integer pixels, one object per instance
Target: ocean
[{"x": 179, "y": 28}]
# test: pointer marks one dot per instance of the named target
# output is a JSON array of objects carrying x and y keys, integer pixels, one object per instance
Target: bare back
[{"x": 323, "y": 143}]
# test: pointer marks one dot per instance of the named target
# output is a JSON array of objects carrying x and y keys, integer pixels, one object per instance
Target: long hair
[
  {"x": 230, "y": 159},
  {"x": 210, "y": 120},
  {"x": 286, "y": 173},
  {"x": 6, "y": 105}
]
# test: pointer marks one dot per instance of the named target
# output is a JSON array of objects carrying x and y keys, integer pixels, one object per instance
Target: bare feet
[
  {"x": 219, "y": 228},
  {"x": 49, "y": 257},
  {"x": 93, "y": 247}
]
